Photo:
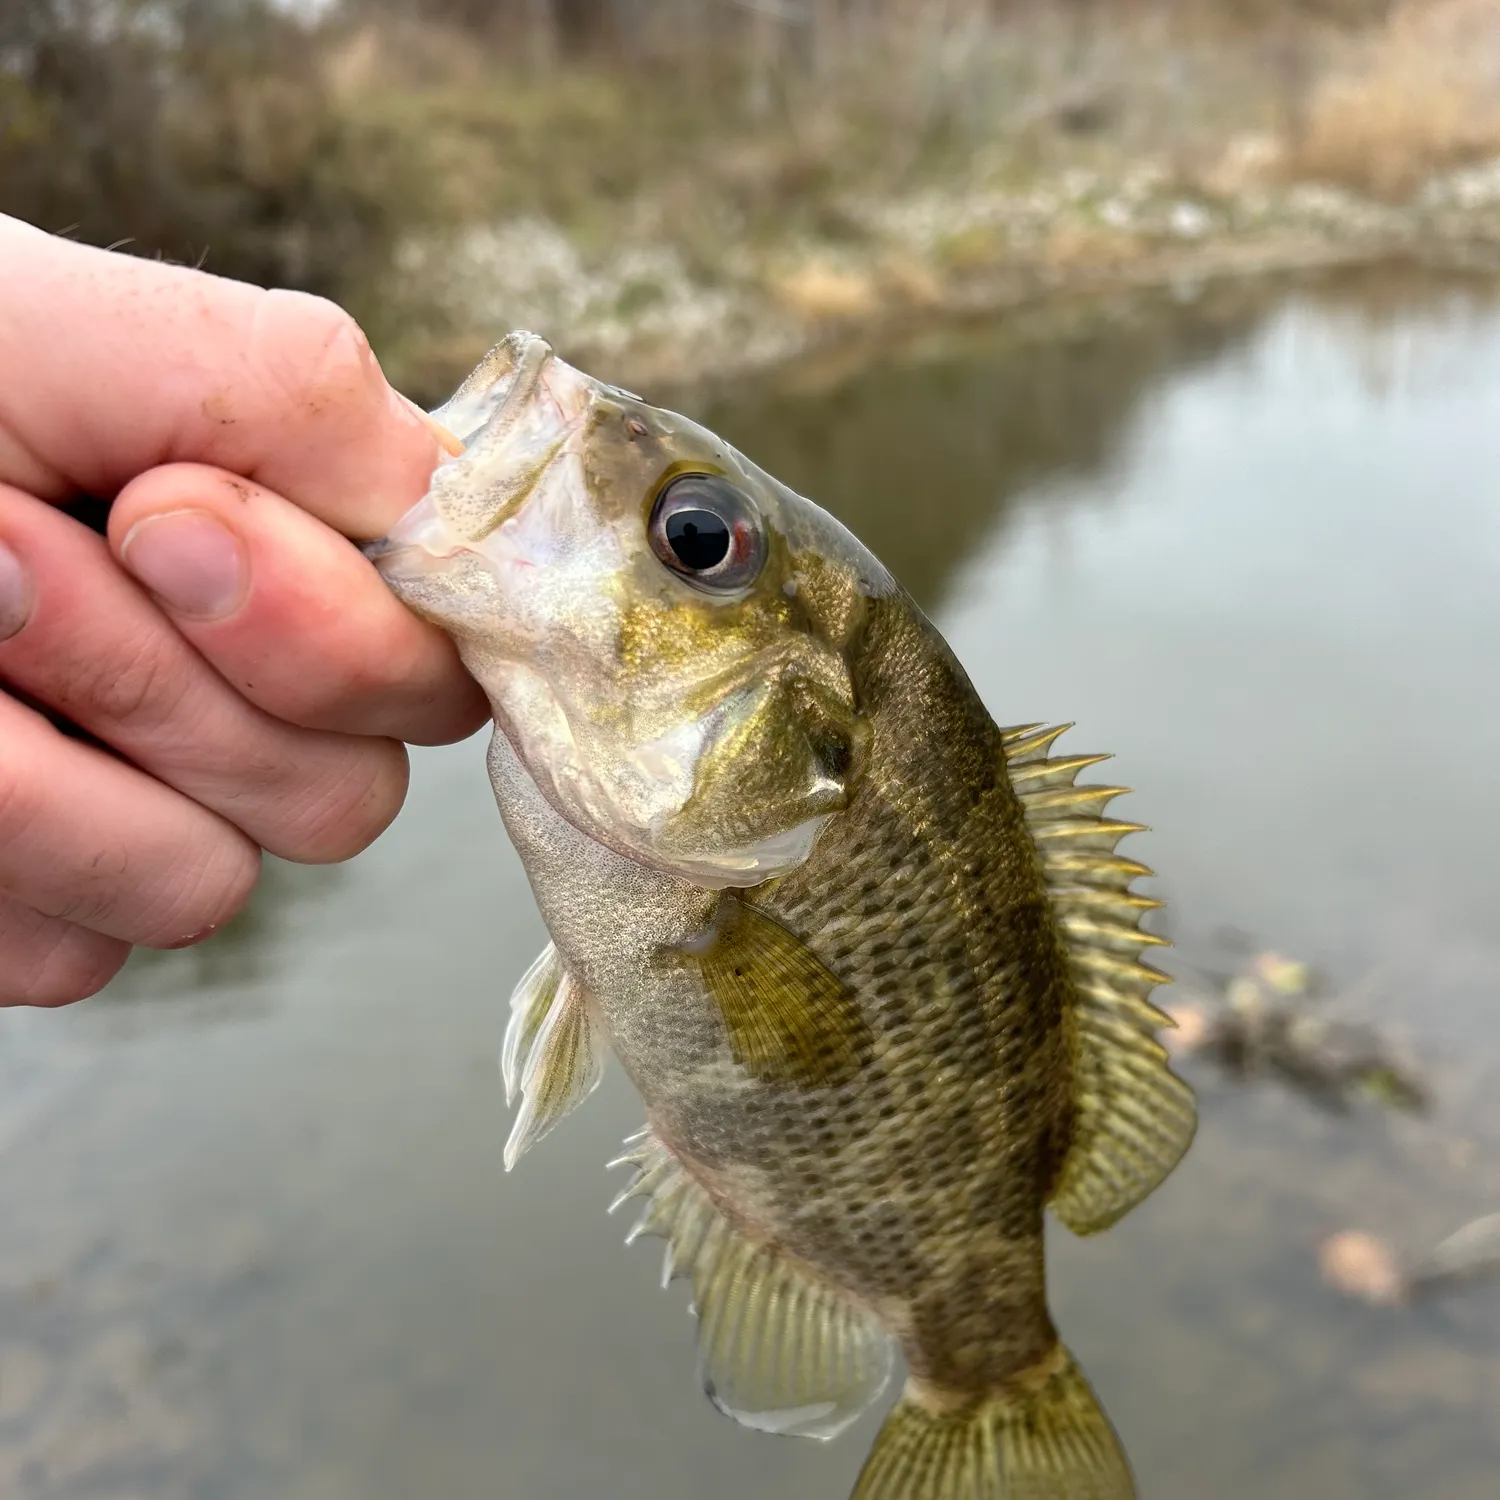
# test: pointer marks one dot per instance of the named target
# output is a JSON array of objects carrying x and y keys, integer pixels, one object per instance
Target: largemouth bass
[{"x": 871, "y": 961}]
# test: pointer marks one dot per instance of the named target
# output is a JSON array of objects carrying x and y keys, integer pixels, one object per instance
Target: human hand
[{"x": 248, "y": 668}]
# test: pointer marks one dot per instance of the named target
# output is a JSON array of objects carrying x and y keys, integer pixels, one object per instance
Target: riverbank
[
  {"x": 701, "y": 216},
  {"x": 641, "y": 316},
  {"x": 689, "y": 191}
]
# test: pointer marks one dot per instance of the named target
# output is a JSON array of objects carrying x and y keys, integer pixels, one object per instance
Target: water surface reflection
[{"x": 256, "y": 1239}]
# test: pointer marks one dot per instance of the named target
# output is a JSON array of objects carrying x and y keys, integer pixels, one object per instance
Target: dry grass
[
  {"x": 1420, "y": 96},
  {"x": 708, "y": 168},
  {"x": 197, "y": 129}
]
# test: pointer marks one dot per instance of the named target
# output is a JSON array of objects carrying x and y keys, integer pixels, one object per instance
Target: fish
[{"x": 871, "y": 960}]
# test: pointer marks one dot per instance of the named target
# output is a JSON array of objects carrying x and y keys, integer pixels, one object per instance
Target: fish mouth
[
  {"x": 504, "y": 381},
  {"x": 514, "y": 415}
]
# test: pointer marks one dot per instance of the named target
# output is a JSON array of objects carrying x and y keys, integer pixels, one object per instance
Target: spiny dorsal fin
[
  {"x": 1134, "y": 1117},
  {"x": 780, "y": 1350},
  {"x": 790, "y": 1020},
  {"x": 553, "y": 1052}
]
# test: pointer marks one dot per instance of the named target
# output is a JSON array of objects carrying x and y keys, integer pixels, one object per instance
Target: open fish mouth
[
  {"x": 514, "y": 415},
  {"x": 504, "y": 382}
]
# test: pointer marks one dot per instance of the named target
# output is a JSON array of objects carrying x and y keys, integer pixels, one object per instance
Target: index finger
[{"x": 112, "y": 365}]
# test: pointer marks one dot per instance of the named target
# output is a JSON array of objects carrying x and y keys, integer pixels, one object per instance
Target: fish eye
[{"x": 707, "y": 531}]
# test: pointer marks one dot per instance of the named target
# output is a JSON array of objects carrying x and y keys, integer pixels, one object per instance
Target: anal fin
[{"x": 780, "y": 1351}]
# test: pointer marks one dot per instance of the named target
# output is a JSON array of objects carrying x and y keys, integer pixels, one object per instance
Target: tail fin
[{"x": 1049, "y": 1442}]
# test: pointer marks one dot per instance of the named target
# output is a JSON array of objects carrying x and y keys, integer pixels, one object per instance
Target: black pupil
[{"x": 699, "y": 538}]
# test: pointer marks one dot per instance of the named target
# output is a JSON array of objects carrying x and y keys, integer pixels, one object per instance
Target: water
[{"x": 256, "y": 1239}]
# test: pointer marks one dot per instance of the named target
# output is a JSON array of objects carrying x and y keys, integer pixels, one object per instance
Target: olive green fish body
[
  {"x": 870, "y": 960},
  {"x": 926, "y": 898},
  {"x": 915, "y": 1184}
]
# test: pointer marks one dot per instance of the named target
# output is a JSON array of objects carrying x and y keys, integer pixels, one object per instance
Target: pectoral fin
[
  {"x": 780, "y": 1350},
  {"x": 790, "y": 1020},
  {"x": 554, "y": 1052},
  {"x": 529, "y": 1003},
  {"x": 1134, "y": 1118}
]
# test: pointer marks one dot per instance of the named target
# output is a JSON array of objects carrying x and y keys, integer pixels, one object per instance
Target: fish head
[{"x": 663, "y": 630}]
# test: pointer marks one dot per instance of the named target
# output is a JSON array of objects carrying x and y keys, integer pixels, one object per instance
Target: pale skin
[{"x": 248, "y": 670}]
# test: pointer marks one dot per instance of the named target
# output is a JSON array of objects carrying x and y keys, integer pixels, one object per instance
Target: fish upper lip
[
  {"x": 467, "y": 413},
  {"x": 484, "y": 419}
]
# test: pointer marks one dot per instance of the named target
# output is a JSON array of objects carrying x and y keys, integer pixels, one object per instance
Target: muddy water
[{"x": 255, "y": 1239}]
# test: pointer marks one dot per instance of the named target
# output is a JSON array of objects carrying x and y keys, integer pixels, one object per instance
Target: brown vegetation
[
  {"x": 447, "y": 166},
  {"x": 1417, "y": 96},
  {"x": 205, "y": 129}
]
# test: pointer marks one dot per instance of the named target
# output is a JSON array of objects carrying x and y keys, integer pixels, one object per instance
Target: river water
[{"x": 255, "y": 1239}]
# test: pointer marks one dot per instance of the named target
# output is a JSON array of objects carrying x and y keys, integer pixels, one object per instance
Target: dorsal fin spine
[
  {"x": 1029, "y": 742},
  {"x": 1059, "y": 771},
  {"x": 1068, "y": 869},
  {"x": 1119, "y": 937}
]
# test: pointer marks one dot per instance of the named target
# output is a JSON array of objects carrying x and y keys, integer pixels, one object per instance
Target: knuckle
[
  {"x": 77, "y": 971},
  {"x": 371, "y": 674},
  {"x": 314, "y": 350},
  {"x": 94, "y": 896},
  {"x": 348, "y": 811},
  {"x": 166, "y": 903},
  {"x": 89, "y": 904},
  {"x": 380, "y": 672},
  {"x": 140, "y": 684},
  {"x": 380, "y": 676},
  {"x": 18, "y": 805},
  {"x": 320, "y": 702},
  {"x": 46, "y": 962}
]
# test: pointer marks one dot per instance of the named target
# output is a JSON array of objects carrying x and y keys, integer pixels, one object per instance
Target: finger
[
  {"x": 98, "y": 843},
  {"x": 47, "y": 961},
  {"x": 169, "y": 363},
  {"x": 94, "y": 648},
  {"x": 291, "y": 613}
]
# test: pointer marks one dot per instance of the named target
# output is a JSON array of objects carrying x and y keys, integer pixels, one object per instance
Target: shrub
[
  {"x": 1420, "y": 96},
  {"x": 196, "y": 130}
]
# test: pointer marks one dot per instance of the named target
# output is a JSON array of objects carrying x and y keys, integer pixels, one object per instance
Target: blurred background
[
  {"x": 1156, "y": 348},
  {"x": 692, "y": 188}
]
